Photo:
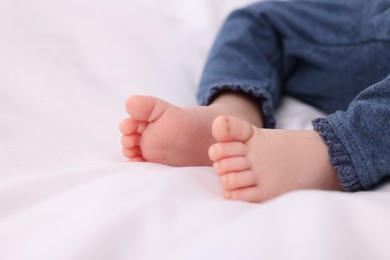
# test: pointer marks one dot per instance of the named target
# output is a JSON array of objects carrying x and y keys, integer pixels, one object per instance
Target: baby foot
[
  {"x": 259, "y": 164},
  {"x": 159, "y": 132}
]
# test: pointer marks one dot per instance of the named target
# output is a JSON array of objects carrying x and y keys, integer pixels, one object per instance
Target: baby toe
[
  {"x": 130, "y": 141},
  {"x": 250, "y": 194},
  {"x": 228, "y": 128},
  {"x": 220, "y": 151},
  {"x": 136, "y": 159},
  {"x": 232, "y": 164},
  {"x": 237, "y": 180},
  {"x": 131, "y": 153},
  {"x": 128, "y": 126},
  {"x": 146, "y": 108}
]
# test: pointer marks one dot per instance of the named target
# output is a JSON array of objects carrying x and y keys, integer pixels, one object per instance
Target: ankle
[
  {"x": 329, "y": 173},
  {"x": 240, "y": 105}
]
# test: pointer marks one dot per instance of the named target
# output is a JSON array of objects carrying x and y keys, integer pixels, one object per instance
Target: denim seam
[
  {"x": 341, "y": 45},
  {"x": 275, "y": 55}
]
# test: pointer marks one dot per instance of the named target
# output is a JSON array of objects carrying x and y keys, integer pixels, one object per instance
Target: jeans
[{"x": 333, "y": 55}]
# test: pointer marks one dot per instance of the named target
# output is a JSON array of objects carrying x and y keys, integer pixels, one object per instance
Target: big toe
[
  {"x": 228, "y": 128},
  {"x": 145, "y": 108}
]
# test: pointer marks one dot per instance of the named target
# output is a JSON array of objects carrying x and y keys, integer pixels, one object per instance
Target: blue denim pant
[{"x": 333, "y": 55}]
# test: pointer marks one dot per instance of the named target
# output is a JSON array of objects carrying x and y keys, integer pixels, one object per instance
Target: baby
[{"x": 325, "y": 53}]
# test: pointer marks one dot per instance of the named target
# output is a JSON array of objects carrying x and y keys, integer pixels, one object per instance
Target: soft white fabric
[{"x": 66, "y": 192}]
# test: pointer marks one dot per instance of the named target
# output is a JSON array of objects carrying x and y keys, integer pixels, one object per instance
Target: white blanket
[{"x": 66, "y": 192}]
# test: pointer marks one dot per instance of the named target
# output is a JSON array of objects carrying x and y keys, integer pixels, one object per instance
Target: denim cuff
[
  {"x": 339, "y": 156},
  {"x": 262, "y": 96}
]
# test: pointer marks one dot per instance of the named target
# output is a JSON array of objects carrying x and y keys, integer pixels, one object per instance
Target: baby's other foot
[
  {"x": 259, "y": 164},
  {"x": 159, "y": 132}
]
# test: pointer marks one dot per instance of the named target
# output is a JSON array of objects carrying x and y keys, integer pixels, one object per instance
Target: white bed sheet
[{"x": 66, "y": 192}]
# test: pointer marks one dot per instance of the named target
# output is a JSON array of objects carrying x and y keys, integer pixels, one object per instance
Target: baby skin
[{"x": 254, "y": 164}]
